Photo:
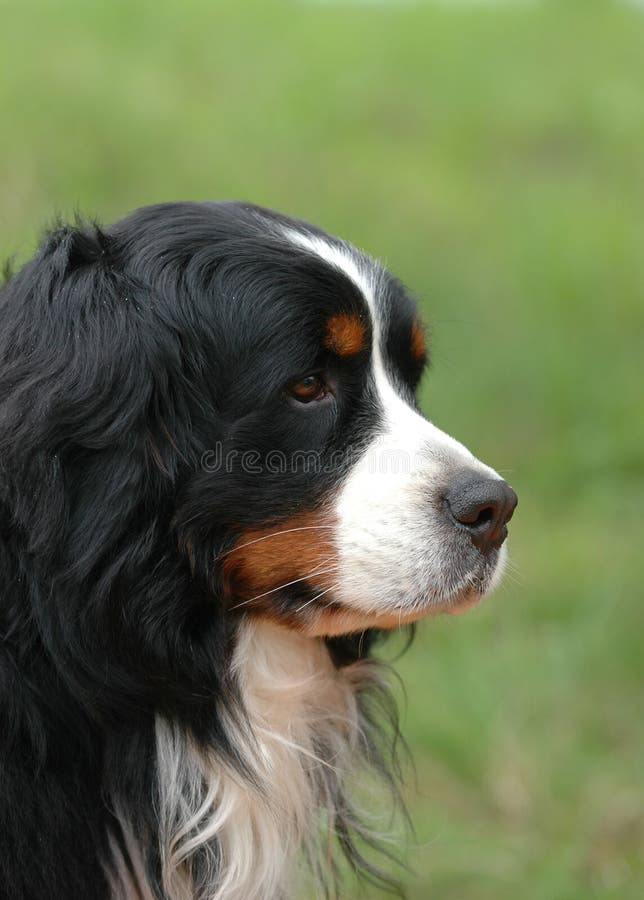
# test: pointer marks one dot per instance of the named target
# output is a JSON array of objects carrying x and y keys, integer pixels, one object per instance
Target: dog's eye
[{"x": 308, "y": 389}]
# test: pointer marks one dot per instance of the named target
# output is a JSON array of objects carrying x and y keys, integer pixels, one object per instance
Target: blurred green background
[{"x": 493, "y": 156}]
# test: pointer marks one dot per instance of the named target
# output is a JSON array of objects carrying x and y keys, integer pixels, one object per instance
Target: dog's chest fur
[{"x": 227, "y": 836}]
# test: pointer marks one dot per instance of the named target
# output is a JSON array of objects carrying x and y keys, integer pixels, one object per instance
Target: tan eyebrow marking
[
  {"x": 345, "y": 334},
  {"x": 417, "y": 341}
]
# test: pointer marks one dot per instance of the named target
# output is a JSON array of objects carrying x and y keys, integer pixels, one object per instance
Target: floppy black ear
[{"x": 86, "y": 411}]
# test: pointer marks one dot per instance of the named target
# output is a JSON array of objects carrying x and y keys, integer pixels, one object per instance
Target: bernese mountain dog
[{"x": 216, "y": 492}]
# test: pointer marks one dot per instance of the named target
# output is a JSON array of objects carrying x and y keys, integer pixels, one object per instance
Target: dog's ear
[{"x": 88, "y": 397}]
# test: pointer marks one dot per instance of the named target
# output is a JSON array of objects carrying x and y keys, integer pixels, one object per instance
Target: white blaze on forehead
[{"x": 340, "y": 258}]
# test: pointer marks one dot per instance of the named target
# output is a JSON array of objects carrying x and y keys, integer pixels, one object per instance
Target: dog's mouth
[
  {"x": 478, "y": 586},
  {"x": 324, "y": 618},
  {"x": 337, "y": 618},
  {"x": 464, "y": 602},
  {"x": 340, "y": 617}
]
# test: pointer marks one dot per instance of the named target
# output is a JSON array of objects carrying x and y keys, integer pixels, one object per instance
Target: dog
[{"x": 217, "y": 491}]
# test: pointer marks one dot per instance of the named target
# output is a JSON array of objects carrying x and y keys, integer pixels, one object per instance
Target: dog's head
[
  {"x": 242, "y": 385},
  {"x": 207, "y": 417}
]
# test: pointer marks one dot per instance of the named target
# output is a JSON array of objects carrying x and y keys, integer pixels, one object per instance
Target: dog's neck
[{"x": 235, "y": 835}]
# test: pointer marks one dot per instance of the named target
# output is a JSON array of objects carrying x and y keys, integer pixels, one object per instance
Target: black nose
[{"x": 483, "y": 506}]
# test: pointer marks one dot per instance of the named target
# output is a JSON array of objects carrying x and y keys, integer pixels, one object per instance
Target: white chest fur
[{"x": 229, "y": 837}]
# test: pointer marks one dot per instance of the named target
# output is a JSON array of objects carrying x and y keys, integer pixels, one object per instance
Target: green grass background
[{"x": 493, "y": 155}]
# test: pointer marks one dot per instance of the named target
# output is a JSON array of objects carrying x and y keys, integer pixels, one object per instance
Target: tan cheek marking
[
  {"x": 345, "y": 334},
  {"x": 417, "y": 342},
  {"x": 300, "y": 549}
]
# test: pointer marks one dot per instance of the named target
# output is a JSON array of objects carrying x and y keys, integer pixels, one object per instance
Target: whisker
[
  {"x": 513, "y": 578},
  {"x": 317, "y": 597},
  {"x": 274, "y": 534},
  {"x": 287, "y": 584},
  {"x": 513, "y": 573}
]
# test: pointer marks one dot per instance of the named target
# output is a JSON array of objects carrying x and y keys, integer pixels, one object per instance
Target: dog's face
[{"x": 329, "y": 502}]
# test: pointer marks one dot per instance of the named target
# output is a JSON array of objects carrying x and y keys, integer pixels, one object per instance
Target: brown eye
[{"x": 308, "y": 389}]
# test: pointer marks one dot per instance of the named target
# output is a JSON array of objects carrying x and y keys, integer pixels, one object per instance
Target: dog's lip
[
  {"x": 390, "y": 618},
  {"x": 464, "y": 603},
  {"x": 342, "y": 618},
  {"x": 480, "y": 584}
]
